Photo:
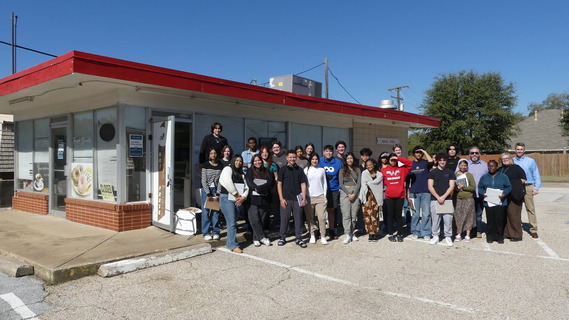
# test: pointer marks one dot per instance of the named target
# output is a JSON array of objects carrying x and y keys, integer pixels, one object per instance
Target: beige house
[
  {"x": 541, "y": 133},
  {"x": 114, "y": 143}
]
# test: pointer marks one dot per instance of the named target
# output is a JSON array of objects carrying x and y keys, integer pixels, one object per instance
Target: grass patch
[{"x": 554, "y": 179}]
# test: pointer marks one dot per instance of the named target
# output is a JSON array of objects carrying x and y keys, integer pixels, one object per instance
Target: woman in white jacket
[
  {"x": 371, "y": 197},
  {"x": 233, "y": 193},
  {"x": 316, "y": 203}
]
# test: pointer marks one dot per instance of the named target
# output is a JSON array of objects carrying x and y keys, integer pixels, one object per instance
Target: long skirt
[
  {"x": 464, "y": 215},
  {"x": 370, "y": 211}
]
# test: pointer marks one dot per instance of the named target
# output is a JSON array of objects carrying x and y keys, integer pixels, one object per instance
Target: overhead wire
[{"x": 338, "y": 80}]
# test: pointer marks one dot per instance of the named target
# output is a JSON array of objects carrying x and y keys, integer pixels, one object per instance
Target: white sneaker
[
  {"x": 256, "y": 243},
  {"x": 312, "y": 239},
  {"x": 215, "y": 237},
  {"x": 354, "y": 238},
  {"x": 347, "y": 239},
  {"x": 434, "y": 240},
  {"x": 266, "y": 241},
  {"x": 415, "y": 237},
  {"x": 323, "y": 240},
  {"x": 448, "y": 241},
  {"x": 457, "y": 239},
  {"x": 207, "y": 237}
]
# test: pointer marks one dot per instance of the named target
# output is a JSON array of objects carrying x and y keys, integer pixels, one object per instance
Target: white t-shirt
[{"x": 316, "y": 181}]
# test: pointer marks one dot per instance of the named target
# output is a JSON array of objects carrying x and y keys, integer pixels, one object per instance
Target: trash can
[{"x": 186, "y": 221}]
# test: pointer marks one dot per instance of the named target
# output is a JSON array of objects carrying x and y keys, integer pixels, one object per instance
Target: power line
[
  {"x": 333, "y": 75},
  {"x": 29, "y": 49},
  {"x": 296, "y": 74}
]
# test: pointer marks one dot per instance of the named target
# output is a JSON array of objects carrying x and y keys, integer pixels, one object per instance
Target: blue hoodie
[{"x": 332, "y": 168}]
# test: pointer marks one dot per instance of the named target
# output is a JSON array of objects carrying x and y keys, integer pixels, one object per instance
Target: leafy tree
[
  {"x": 475, "y": 110},
  {"x": 554, "y": 101}
]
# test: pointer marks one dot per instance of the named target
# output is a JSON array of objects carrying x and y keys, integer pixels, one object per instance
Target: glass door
[{"x": 58, "y": 176}]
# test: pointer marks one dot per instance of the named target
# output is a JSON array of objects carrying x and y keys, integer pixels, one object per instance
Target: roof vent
[{"x": 387, "y": 104}]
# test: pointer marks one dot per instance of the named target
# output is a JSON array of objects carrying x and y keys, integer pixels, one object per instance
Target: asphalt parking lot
[{"x": 409, "y": 280}]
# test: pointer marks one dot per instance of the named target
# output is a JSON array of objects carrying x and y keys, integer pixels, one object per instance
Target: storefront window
[
  {"x": 332, "y": 135},
  {"x": 82, "y": 167},
  {"x": 106, "y": 148},
  {"x": 135, "y": 120},
  {"x": 41, "y": 155},
  {"x": 25, "y": 148},
  {"x": 266, "y": 131},
  {"x": 301, "y": 134}
]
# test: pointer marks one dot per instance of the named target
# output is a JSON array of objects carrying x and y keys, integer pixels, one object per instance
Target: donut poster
[{"x": 82, "y": 179}]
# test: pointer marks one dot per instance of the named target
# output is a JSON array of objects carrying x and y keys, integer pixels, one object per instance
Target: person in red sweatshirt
[{"x": 394, "y": 183}]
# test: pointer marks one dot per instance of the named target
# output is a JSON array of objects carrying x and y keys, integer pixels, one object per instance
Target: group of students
[{"x": 329, "y": 192}]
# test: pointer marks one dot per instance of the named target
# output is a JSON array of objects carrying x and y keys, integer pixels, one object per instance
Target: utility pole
[
  {"x": 398, "y": 89},
  {"x": 14, "y": 20},
  {"x": 326, "y": 78}
]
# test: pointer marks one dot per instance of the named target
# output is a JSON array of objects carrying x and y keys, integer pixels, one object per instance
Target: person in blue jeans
[
  {"x": 419, "y": 195},
  {"x": 232, "y": 195},
  {"x": 211, "y": 170}
]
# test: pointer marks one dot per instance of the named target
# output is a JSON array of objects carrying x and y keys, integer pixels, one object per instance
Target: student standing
[
  {"x": 291, "y": 186},
  {"x": 495, "y": 211},
  {"x": 213, "y": 140},
  {"x": 394, "y": 181},
  {"x": 260, "y": 182},
  {"x": 441, "y": 184},
  {"x": 233, "y": 194},
  {"x": 249, "y": 153},
  {"x": 211, "y": 170},
  {"x": 350, "y": 182},
  {"x": 371, "y": 197},
  {"x": 316, "y": 204},
  {"x": 332, "y": 167}
]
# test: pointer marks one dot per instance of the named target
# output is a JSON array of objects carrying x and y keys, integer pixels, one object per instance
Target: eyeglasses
[{"x": 475, "y": 152}]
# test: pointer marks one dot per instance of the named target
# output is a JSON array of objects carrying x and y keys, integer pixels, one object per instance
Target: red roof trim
[{"x": 96, "y": 65}]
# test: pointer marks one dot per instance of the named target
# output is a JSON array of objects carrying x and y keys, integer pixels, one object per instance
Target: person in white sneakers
[
  {"x": 441, "y": 182},
  {"x": 316, "y": 204}
]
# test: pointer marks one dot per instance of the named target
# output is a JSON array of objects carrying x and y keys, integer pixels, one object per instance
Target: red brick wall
[
  {"x": 116, "y": 217},
  {"x": 34, "y": 202}
]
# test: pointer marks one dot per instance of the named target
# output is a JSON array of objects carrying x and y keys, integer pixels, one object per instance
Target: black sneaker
[
  {"x": 399, "y": 238},
  {"x": 391, "y": 238},
  {"x": 281, "y": 242},
  {"x": 301, "y": 243}
]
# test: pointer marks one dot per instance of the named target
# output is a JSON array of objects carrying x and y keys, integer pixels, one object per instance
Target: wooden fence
[{"x": 556, "y": 165}]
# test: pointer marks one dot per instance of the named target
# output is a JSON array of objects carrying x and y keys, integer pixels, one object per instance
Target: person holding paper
[
  {"x": 316, "y": 204},
  {"x": 260, "y": 181},
  {"x": 441, "y": 182},
  {"x": 211, "y": 170},
  {"x": 350, "y": 182},
  {"x": 291, "y": 186},
  {"x": 464, "y": 213},
  {"x": 233, "y": 193},
  {"x": 495, "y": 187}
]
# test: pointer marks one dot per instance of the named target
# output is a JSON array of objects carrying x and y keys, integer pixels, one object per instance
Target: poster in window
[{"x": 82, "y": 179}]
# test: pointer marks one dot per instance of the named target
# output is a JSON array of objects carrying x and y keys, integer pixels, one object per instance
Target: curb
[
  {"x": 152, "y": 260},
  {"x": 14, "y": 268}
]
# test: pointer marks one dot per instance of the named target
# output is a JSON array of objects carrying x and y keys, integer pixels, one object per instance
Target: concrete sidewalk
[{"x": 60, "y": 250}]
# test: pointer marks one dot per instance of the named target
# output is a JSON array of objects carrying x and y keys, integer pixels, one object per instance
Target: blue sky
[{"x": 371, "y": 45}]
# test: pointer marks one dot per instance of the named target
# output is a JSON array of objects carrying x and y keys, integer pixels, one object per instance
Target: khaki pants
[
  {"x": 316, "y": 205},
  {"x": 530, "y": 208}
]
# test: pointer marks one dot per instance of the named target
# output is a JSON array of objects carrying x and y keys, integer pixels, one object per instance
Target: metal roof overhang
[{"x": 76, "y": 75}]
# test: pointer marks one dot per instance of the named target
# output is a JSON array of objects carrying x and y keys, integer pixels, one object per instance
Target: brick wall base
[
  {"x": 112, "y": 216},
  {"x": 34, "y": 202}
]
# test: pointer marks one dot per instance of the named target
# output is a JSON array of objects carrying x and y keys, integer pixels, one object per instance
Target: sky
[{"x": 371, "y": 45}]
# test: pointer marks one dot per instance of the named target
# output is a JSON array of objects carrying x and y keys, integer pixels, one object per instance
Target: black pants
[
  {"x": 257, "y": 215},
  {"x": 292, "y": 205},
  {"x": 495, "y": 217},
  {"x": 394, "y": 210}
]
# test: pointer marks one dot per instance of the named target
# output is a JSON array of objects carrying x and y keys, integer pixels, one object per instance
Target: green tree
[
  {"x": 475, "y": 110},
  {"x": 554, "y": 101}
]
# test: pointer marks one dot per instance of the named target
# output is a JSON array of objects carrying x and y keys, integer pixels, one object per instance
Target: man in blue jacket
[{"x": 332, "y": 166}]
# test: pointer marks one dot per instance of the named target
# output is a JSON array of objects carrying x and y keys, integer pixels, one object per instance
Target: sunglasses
[{"x": 475, "y": 153}]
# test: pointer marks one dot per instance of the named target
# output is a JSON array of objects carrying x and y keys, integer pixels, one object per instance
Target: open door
[{"x": 163, "y": 174}]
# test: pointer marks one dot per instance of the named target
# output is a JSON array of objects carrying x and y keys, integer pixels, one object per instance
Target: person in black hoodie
[
  {"x": 213, "y": 140},
  {"x": 260, "y": 181}
]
